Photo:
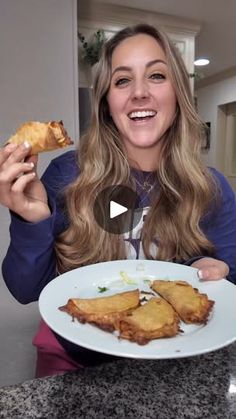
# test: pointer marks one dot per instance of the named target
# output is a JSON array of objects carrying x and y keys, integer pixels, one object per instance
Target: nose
[{"x": 140, "y": 89}]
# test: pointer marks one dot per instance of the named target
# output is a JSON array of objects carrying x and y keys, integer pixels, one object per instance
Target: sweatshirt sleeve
[
  {"x": 220, "y": 225},
  {"x": 30, "y": 262}
]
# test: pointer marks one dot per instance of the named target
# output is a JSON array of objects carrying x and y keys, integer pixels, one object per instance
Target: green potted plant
[{"x": 92, "y": 47}]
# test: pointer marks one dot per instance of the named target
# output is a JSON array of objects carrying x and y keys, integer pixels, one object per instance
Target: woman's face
[{"x": 141, "y": 98}]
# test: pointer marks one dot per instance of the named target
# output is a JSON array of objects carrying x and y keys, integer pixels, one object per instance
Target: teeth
[{"x": 141, "y": 114}]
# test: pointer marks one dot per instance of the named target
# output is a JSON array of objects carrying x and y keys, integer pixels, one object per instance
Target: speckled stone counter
[{"x": 199, "y": 387}]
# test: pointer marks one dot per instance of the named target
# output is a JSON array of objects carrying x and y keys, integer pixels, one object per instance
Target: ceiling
[{"x": 217, "y": 37}]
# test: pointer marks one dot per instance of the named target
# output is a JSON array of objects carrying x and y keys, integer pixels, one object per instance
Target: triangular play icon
[{"x": 116, "y": 209}]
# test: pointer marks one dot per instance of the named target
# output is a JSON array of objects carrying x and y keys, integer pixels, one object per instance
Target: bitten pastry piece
[
  {"x": 153, "y": 320},
  {"x": 191, "y": 306},
  {"x": 42, "y": 136},
  {"x": 104, "y": 312}
]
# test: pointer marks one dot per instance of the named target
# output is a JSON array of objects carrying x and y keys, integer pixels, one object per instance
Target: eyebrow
[{"x": 149, "y": 64}]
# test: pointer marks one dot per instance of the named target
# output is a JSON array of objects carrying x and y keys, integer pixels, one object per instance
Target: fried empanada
[
  {"x": 42, "y": 136},
  {"x": 153, "y": 320},
  {"x": 191, "y": 306},
  {"x": 104, "y": 312}
]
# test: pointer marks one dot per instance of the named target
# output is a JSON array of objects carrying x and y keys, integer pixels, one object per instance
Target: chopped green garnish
[
  {"x": 126, "y": 279},
  {"x": 102, "y": 289},
  {"x": 147, "y": 281}
]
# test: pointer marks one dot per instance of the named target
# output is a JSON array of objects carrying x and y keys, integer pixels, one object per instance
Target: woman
[{"x": 144, "y": 133}]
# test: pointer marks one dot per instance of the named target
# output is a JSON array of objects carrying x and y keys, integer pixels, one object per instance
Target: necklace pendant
[{"x": 147, "y": 186}]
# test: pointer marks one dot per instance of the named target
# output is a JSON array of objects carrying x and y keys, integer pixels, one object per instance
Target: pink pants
[{"x": 52, "y": 359}]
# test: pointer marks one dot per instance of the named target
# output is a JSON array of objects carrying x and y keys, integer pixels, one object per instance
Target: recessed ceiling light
[{"x": 201, "y": 61}]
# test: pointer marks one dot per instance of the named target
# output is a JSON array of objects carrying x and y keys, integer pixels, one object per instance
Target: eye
[
  {"x": 157, "y": 76},
  {"x": 121, "y": 81}
]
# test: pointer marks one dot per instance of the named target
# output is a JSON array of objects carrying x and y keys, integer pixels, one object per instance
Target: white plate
[{"x": 84, "y": 282}]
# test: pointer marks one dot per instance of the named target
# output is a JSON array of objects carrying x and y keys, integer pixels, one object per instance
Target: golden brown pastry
[
  {"x": 191, "y": 306},
  {"x": 42, "y": 136},
  {"x": 153, "y": 320},
  {"x": 104, "y": 312}
]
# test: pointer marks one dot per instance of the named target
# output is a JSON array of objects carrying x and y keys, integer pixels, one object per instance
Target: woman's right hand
[{"x": 20, "y": 188}]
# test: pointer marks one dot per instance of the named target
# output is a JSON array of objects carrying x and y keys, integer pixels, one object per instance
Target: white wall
[
  {"x": 208, "y": 99},
  {"x": 38, "y": 71},
  {"x": 38, "y": 81}
]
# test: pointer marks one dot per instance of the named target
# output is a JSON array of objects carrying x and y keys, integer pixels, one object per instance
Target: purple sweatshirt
[{"x": 30, "y": 260}]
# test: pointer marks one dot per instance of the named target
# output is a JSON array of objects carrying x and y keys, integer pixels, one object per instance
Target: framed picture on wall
[{"x": 207, "y": 138}]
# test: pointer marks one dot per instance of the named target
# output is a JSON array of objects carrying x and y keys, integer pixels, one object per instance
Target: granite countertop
[{"x": 202, "y": 386}]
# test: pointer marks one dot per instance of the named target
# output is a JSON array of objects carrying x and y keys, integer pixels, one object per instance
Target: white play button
[{"x": 116, "y": 209}]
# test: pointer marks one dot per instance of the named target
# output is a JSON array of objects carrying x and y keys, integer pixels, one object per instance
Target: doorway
[{"x": 226, "y": 141}]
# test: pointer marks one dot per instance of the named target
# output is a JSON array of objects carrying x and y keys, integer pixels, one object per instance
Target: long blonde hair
[{"x": 186, "y": 186}]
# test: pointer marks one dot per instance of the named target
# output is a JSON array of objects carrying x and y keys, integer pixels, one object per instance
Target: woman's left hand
[{"x": 211, "y": 269}]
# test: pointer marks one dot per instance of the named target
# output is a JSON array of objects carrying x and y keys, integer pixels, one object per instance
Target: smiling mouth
[{"x": 141, "y": 115}]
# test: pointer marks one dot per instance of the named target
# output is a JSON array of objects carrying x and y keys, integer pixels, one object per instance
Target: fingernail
[
  {"x": 200, "y": 274},
  {"x": 203, "y": 275},
  {"x": 26, "y": 144}
]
